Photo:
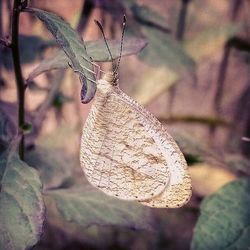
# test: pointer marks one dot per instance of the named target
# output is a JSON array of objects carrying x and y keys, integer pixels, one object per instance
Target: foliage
[
  {"x": 31, "y": 47},
  {"x": 224, "y": 219},
  {"x": 21, "y": 203},
  {"x": 96, "y": 50},
  {"x": 48, "y": 176},
  {"x": 85, "y": 206},
  {"x": 73, "y": 47}
]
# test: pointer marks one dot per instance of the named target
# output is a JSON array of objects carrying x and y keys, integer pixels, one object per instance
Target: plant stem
[
  {"x": 87, "y": 9},
  {"x": 182, "y": 20},
  {"x": 1, "y": 18},
  {"x": 18, "y": 72}
]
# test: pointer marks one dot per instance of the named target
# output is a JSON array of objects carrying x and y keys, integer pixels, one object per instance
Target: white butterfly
[{"x": 127, "y": 153}]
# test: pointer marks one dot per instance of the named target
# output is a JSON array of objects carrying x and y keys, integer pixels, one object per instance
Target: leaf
[
  {"x": 225, "y": 219},
  {"x": 96, "y": 49},
  {"x": 8, "y": 123},
  {"x": 209, "y": 41},
  {"x": 192, "y": 147},
  {"x": 207, "y": 179},
  {"x": 7, "y": 126},
  {"x": 153, "y": 83},
  {"x": 73, "y": 47},
  {"x": 54, "y": 168},
  {"x": 59, "y": 61},
  {"x": 162, "y": 49},
  {"x": 21, "y": 203},
  {"x": 85, "y": 206},
  {"x": 238, "y": 163},
  {"x": 31, "y": 47},
  {"x": 60, "y": 99},
  {"x": 147, "y": 16}
]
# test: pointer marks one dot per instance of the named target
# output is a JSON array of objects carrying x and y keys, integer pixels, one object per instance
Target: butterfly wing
[
  {"x": 179, "y": 190},
  {"x": 118, "y": 153}
]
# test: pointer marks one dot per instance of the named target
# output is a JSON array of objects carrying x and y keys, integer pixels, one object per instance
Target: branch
[
  {"x": 182, "y": 20},
  {"x": 206, "y": 120},
  {"x": 87, "y": 9},
  {"x": 17, "y": 68}
]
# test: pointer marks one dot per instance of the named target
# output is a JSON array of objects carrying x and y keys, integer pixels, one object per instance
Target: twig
[
  {"x": 9, "y": 7},
  {"x": 221, "y": 79},
  {"x": 42, "y": 109},
  {"x": 1, "y": 40},
  {"x": 182, "y": 20},
  {"x": 210, "y": 121},
  {"x": 235, "y": 8},
  {"x": 1, "y": 18},
  {"x": 18, "y": 72},
  {"x": 87, "y": 9}
]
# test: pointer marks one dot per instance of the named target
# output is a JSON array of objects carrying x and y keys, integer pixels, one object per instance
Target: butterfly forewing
[{"x": 118, "y": 153}]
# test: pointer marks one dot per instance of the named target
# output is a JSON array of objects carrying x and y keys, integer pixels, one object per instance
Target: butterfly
[{"x": 127, "y": 153}]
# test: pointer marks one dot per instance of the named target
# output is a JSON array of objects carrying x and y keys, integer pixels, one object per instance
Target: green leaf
[
  {"x": 208, "y": 42},
  {"x": 238, "y": 163},
  {"x": 21, "y": 203},
  {"x": 85, "y": 206},
  {"x": 224, "y": 222},
  {"x": 96, "y": 49},
  {"x": 147, "y": 90},
  {"x": 58, "y": 61},
  {"x": 7, "y": 125},
  {"x": 31, "y": 48},
  {"x": 164, "y": 50},
  {"x": 53, "y": 168},
  {"x": 194, "y": 148},
  {"x": 73, "y": 47},
  {"x": 147, "y": 16},
  {"x": 60, "y": 99}
]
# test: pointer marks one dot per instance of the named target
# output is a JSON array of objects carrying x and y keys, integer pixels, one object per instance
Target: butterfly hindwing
[{"x": 178, "y": 191}]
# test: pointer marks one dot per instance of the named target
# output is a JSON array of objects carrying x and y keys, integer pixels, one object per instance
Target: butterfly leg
[
  {"x": 89, "y": 70},
  {"x": 97, "y": 66},
  {"x": 81, "y": 73}
]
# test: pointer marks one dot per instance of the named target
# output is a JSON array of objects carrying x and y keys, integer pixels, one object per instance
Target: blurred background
[{"x": 193, "y": 75}]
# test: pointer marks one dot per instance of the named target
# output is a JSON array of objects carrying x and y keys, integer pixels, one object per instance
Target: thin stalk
[
  {"x": 221, "y": 79},
  {"x": 18, "y": 72},
  {"x": 1, "y": 42},
  {"x": 235, "y": 9},
  {"x": 87, "y": 9},
  {"x": 182, "y": 20},
  {"x": 1, "y": 18}
]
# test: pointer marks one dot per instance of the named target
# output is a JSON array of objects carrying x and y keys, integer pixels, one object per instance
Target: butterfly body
[{"x": 127, "y": 153}]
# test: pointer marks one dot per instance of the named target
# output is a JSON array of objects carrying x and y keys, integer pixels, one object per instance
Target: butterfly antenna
[
  {"x": 123, "y": 31},
  {"x": 105, "y": 40}
]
